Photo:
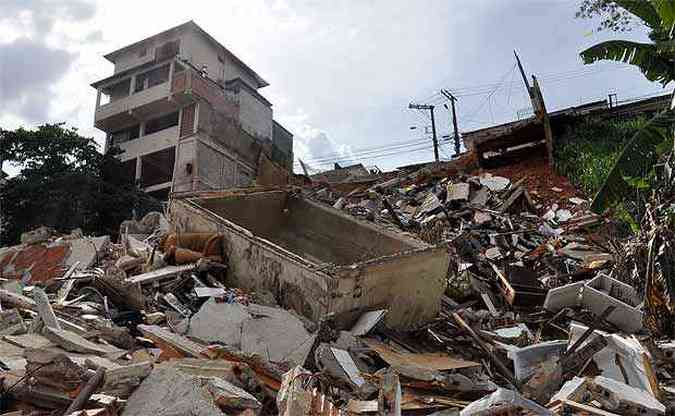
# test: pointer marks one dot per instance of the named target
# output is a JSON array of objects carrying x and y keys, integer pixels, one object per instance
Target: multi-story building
[{"x": 187, "y": 115}]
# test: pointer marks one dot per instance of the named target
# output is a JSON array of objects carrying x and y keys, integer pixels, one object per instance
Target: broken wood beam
[
  {"x": 604, "y": 315},
  {"x": 174, "y": 342},
  {"x": 493, "y": 357},
  {"x": 160, "y": 274},
  {"x": 87, "y": 390}
]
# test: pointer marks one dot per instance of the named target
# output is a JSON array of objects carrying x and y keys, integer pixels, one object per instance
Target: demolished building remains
[{"x": 479, "y": 286}]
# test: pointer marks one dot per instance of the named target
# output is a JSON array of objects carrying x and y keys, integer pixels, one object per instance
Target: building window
[
  {"x": 128, "y": 171},
  {"x": 124, "y": 135},
  {"x": 161, "y": 123},
  {"x": 151, "y": 78},
  {"x": 115, "y": 92},
  {"x": 157, "y": 168}
]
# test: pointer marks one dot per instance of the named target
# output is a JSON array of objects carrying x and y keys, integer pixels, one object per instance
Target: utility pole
[
  {"x": 414, "y": 106},
  {"x": 452, "y": 99}
]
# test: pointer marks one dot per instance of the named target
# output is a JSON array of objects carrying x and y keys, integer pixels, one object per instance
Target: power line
[
  {"x": 424, "y": 147},
  {"x": 368, "y": 154},
  {"x": 365, "y": 151}
]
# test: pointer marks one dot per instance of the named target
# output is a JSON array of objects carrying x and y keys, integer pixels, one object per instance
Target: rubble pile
[{"x": 540, "y": 312}]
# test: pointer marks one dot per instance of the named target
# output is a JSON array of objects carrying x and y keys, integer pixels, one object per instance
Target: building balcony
[
  {"x": 149, "y": 143},
  {"x": 133, "y": 97}
]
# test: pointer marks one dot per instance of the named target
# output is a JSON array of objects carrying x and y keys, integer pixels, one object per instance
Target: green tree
[
  {"x": 612, "y": 16},
  {"x": 64, "y": 182},
  {"x": 656, "y": 59}
]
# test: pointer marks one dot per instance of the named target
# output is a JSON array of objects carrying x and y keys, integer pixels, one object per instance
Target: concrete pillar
[
  {"x": 139, "y": 167},
  {"x": 180, "y": 123},
  {"x": 196, "y": 125},
  {"x": 98, "y": 98},
  {"x": 171, "y": 69},
  {"x": 132, "y": 84},
  {"x": 141, "y": 129}
]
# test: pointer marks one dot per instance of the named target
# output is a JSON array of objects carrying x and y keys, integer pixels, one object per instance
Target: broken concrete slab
[
  {"x": 504, "y": 401},
  {"x": 11, "y": 323},
  {"x": 44, "y": 309},
  {"x": 227, "y": 396},
  {"x": 367, "y": 322},
  {"x": 86, "y": 251},
  {"x": 169, "y": 392},
  {"x": 219, "y": 322},
  {"x": 70, "y": 341},
  {"x": 596, "y": 295},
  {"x": 525, "y": 360},
  {"x": 274, "y": 333},
  {"x": 495, "y": 183},
  {"x": 573, "y": 390},
  {"x": 624, "y": 399},
  {"x": 633, "y": 366},
  {"x": 458, "y": 191},
  {"x": 278, "y": 337}
]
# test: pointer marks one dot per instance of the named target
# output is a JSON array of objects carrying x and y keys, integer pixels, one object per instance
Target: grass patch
[{"x": 586, "y": 152}]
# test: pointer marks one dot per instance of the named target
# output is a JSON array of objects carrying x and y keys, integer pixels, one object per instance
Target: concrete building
[{"x": 187, "y": 115}]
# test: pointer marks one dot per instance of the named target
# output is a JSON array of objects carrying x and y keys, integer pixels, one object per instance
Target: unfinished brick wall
[{"x": 187, "y": 123}]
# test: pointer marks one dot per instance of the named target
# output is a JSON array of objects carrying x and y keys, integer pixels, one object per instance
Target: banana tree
[
  {"x": 655, "y": 59},
  {"x": 636, "y": 159}
]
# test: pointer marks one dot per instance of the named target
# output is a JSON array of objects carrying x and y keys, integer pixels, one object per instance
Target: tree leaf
[
  {"x": 655, "y": 64},
  {"x": 635, "y": 160}
]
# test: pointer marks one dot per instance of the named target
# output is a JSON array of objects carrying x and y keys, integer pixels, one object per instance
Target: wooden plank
[
  {"x": 67, "y": 285},
  {"x": 159, "y": 274},
  {"x": 585, "y": 408},
  {"x": 175, "y": 342},
  {"x": 430, "y": 361}
]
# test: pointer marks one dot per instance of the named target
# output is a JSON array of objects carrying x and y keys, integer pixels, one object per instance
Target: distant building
[
  {"x": 342, "y": 174},
  {"x": 187, "y": 114},
  {"x": 521, "y": 139}
]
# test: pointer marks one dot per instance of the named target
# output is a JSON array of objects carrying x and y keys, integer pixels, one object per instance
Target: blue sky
[{"x": 342, "y": 73}]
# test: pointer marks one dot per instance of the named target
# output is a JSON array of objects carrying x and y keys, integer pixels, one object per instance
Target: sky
[{"x": 342, "y": 72}]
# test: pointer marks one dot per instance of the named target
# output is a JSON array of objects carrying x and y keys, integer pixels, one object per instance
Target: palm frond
[
  {"x": 655, "y": 65},
  {"x": 666, "y": 12},
  {"x": 635, "y": 160},
  {"x": 645, "y": 10}
]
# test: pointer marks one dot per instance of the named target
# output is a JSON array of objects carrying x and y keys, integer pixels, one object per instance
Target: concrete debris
[
  {"x": 429, "y": 293},
  {"x": 503, "y": 402},
  {"x": 274, "y": 333},
  {"x": 596, "y": 295}
]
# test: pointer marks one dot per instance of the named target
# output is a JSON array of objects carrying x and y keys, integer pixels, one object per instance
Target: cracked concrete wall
[{"x": 283, "y": 247}]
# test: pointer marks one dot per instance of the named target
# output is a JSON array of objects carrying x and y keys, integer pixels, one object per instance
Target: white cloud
[{"x": 341, "y": 72}]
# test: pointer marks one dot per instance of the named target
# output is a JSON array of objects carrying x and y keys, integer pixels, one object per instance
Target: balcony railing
[
  {"x": 149, "y": 143},
  {"x": 130, "y": 102}
]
